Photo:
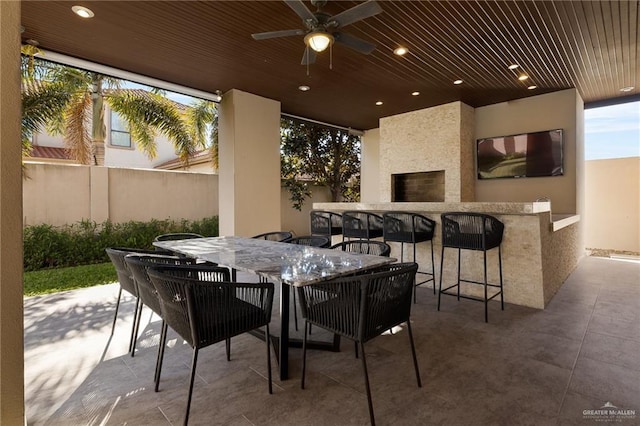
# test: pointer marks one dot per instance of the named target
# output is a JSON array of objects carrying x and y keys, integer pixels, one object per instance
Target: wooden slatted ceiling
[{"x": 589, "y": 45}]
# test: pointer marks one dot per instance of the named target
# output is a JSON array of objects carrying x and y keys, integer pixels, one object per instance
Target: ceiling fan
[{"x": 322, "y": 29}]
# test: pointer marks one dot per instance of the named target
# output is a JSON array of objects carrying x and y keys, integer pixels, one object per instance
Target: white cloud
[{"x": 621, "y": 117}]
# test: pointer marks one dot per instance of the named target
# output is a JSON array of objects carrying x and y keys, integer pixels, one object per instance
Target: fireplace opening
[{"x": 418, "y": 187}]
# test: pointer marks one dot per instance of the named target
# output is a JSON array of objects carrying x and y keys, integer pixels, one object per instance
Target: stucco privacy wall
[
  {"x": 558, "y": 110},
  {"x": 426, "y": 140},
  {"x": 612, "y": 199},
  {"x": 64, "y": 194},
  {"x": 11, "y": 301}
]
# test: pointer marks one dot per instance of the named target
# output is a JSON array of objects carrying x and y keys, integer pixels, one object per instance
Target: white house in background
[{"x": 120, "y": 150}]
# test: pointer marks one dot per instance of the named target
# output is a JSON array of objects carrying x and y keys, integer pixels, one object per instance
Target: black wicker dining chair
[
  {"x": 360, "y": 308},
  {"x": 127, "y": 283},
  {"x": 139, "y": 266},
  {"x": 478, "y": 232},
  {"x": 280, "y": 236},
  {"x": 205, "y": 312},
  {"x": 177, "y": 236},
  {"x": 311, "y": 241},
  {"x": 376, "y": 248},
  {"x": 361, "y": 225}
]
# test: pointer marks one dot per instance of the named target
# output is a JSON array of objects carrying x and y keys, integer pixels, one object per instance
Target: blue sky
[{"x": 612, "y": 132}]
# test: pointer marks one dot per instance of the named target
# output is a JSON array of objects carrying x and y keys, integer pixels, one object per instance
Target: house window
[{"x": 120, "y": 135}]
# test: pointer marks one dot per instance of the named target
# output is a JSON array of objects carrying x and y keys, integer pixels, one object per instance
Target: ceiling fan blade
[
  {"x": 357, "y": 13},
  {"x": 300, "y": 9},
  {"x": 274, "y": 34},
  {"x": 355, "y": 43},
  {"x": 309, "y": 57}
]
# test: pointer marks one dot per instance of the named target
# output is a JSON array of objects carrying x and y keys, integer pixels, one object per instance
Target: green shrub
[{"x": 83, "y": 243}]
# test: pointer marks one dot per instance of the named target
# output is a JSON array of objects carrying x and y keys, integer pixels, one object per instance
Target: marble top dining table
[{"x": 283, "y": 263}]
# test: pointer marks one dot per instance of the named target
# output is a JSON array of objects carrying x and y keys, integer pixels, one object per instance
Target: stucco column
[
  {"x": 249, "y": 157},
  {"x": 370, "y": 166},
  {"x": 11, "y": 302}
]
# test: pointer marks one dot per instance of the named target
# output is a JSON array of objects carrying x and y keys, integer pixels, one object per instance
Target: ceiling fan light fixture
[{"x": 318, "y": 40}]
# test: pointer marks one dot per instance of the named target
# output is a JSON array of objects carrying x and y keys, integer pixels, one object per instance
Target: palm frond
[
  {"x": 157, "y": 112},
  {"x": 41, "y": 103}
]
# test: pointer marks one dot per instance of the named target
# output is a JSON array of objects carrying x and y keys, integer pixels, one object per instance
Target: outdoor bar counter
[{"x": 539, "y": 250}]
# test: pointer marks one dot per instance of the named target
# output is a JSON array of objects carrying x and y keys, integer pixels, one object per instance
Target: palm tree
[{"x": 69, "y": 101}]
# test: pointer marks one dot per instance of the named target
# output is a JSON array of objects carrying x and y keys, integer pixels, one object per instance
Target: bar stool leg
[
  {"x": 440, "y": 285},
  {"x": 458, "y": 275},
  {"x": 486, "y": 305},
  {"x": 433, "y": 267},
  {"x": 500, "y": 267}
]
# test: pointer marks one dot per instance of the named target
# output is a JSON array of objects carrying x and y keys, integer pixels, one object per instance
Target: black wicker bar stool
[
  {"x": 361, "y": 225},
  {"x": 472, "y": 231},
  {"x": 325, "y": 223},
  {"x": 411, "y": 228}
]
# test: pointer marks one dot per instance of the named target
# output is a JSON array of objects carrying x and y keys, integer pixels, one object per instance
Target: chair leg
[
  {"x": 441, "y": 273},
  {"x": 163, "y": 342},
  {"x": 366, "y": 382},
  {"x": 267, "y": 337},
  {"x": 304, "y": 354},
  {"x": 194, "y": 361},
  {"x": 136, "y": 322},
  {"x": 115, "y": 315},
  {"x": 413, "y": 352},
  {"x": 227, "y": 343}
]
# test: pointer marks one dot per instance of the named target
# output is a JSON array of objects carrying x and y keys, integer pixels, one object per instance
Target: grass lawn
[{"x": 48, "y": 281}]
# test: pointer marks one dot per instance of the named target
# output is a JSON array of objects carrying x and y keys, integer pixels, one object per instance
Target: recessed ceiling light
[
  {"x": 32, "y": 42},
  {"x": 304, "y": 88},
  {"x": 533, "y": 86},
  {"x": 513, "y": 66},
  {"x": 82, "y": 11},
  {"x": 415, "y": 93},
  {"x": 400, "y": 51},
  {"x": 379, "y": 103},
  {"x": 458, "y": 82},
  {"x": 627, "y": 89},
  {"x": 523, "y": 77}
]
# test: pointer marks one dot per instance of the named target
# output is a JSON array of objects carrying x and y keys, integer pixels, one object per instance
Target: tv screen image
[{"x": 523, "y": 155}]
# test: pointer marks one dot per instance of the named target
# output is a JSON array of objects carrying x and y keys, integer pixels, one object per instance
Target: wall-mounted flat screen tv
[{"x": 524, "y": 155}]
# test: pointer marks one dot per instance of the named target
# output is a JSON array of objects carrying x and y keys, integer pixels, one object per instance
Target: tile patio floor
[{"x": 526, "y": 367}]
